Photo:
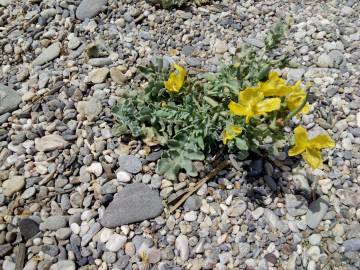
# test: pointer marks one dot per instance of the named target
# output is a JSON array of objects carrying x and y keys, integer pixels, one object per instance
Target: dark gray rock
[
  {"x": 28, "y": 228},
  {"x": 136, "y": 202},
  {"x": 9, "y": 99},
  {"x": 130, "y": 164},
  {"x": 316, "y": 212},
  {"x": 5, "y": 250},
  {"x": 90, "y": 8},
  {"x": 51, "y": 250}
]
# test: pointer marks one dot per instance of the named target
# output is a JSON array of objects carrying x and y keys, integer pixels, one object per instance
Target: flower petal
[
  {"x": 301, "y": 141},
  {"x": 225, "y": 137},
  {"x": 181, "y": 71},
  {"x": 250, "y": 95},
  {"x": 231, "y": 133},
  {"x": 313, "y": 157},
  {"x": 322, "y": 141},
  {"x": 274, "y": 86},
  {"x": 176, "y": 79},
  {"x": 267, "y": 105},
  {"x": 236, "y": 129},
  {"x": 295, "y": 99},
  {"x": 238, "y": 109}
]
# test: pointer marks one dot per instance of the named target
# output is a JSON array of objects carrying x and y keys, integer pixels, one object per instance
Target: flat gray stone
[
  {"x": 48, "y": 54},
  {"x": 130, "y": 163},
  {"x": 316, "y": 212},
  {"x": 49, "y": 143},
  {"x": 53, "y": 223},
  {"x": 254, "y": 42},
  {"x": 352, "y": 244},
  {"x": 89, "y": 8},
  {"x": 94, "y": 228},
  {"x": 5, "y": 3},
  {"x": 9, "y": 99},
  {"x": 136, "y": 202},
  {"x": 296, "y": 205}
]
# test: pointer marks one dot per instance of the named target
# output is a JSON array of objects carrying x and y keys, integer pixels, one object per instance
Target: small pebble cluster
[{"x": 78, "y": 197}]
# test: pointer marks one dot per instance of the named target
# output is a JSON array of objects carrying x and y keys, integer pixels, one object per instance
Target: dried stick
[{"x": 213, "y": 173}]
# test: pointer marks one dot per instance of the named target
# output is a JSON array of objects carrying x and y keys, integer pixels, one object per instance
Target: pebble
[
  {"x": 89, "y": 109},
  {"x": 130, "y": 164},
  {"x": 28, "y": 193},
  {"x": 136, "y": 202},
  {"x": 49, "y": 143},
  {"x": 220, "y": 46},
  {"x": 352, "y": 244},
  {"x": 63, "y": 265},
  {"x": 314, "y": 253},
  {"x": 325, "y": 61},
  {"x": 48, "y": 54},
  {"x": 53, "y": 223},
  {"x": 116, "y": 242},
  {"x": 182, "y": 245},
  {"x": 13, "y": 184},
  {"x": 9, "y": 99},
  {"x": 117, "y": 74},
  {"x": 98, "y": 75},
  {"x": 315, "y": 239},
  {"x": 257, "y": 213},
  {"x": 93, "y": 230},
  {"x": 90, "y": 8},
  {"x": 316, "y": 212},
  {"x": 123, "y": 177},
  {"x": 190, "y": 216},
  {"x": 28, "y": 228},
  {"x": 296, "y": 205},
  {"x": 74, "y": 42}
]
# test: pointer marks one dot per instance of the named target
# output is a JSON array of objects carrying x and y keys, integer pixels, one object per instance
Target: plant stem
[
  {"x": 212, "y": 174},
  {"x": 298, "y": 109}
]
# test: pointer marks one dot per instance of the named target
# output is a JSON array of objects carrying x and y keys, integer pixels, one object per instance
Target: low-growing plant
[
  {"x": 168, "y": 4},
  {"x": 246, "y": 106}
]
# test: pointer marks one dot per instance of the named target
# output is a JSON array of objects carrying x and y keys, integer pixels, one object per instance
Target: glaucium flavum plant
[{"x": 246, "y": 106}]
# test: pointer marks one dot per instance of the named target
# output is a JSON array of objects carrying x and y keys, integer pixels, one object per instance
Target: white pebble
[
  {"x": 105, "y": 235},
  {"x": 123, "y": 176},
  {"x": 190, "y": 216},
  {"x": 116, "y": 242},
  {"x": 75, "y": 228}
]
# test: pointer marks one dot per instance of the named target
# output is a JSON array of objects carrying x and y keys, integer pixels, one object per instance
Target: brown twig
[
  {"x": 20, "y": 257},
  {"x": 213, "y": 173}
]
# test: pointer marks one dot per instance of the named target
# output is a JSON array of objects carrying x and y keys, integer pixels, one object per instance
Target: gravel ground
[{"x": 77, "y": 197}]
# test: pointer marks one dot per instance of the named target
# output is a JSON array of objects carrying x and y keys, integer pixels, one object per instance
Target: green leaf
[{"x": 241, "y": 144}]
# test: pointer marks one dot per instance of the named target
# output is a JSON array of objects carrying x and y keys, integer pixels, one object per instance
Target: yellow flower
[
  {"x": 310, "y": 149},
  {"x": 295, "y": 99},
  {"x": 230, "y": 133},
  {"x": 176, "y": 79},
  {"x": 252, "y": 103},
  {"x": 274, "y": 86},
  {"x": 277, "y": 87}
]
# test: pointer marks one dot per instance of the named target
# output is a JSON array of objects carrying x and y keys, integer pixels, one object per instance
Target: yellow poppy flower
[
  {"x": 275, "y": 86},
  {"x": 252, "y": 103},
  {"x": 295, "y": 99},
  {"x": 310, "y": 149},
  {"x": 176, "y": 79},
  {"x": 231, "y": 133}
]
